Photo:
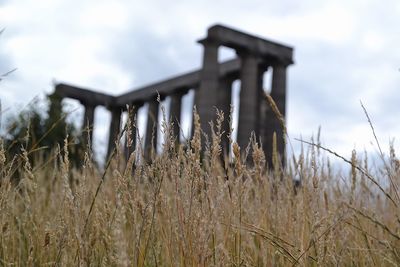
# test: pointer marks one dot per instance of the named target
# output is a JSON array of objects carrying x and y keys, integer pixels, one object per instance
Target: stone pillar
[
  {"x": 115, "y": 127},
  {"x": 88, "y": 124},
  {"x": 249, "y": 99},
  {"x": 206, "y": 98},
  {"x": 151, "y": 127},
  {"x": 175, "y": 112},
  {"x": 262, "y": 105},
  {"x": 278, "y": 91},
  {"x": 132, "y": 113},
  {"x": 224, "y": 104},
  {"x": 278, "y": 94}
]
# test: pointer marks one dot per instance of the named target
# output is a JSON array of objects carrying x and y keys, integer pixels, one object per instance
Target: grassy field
[{"x": 186, "y": 207}]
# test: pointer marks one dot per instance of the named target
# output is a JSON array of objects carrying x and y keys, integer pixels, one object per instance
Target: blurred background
[{"x": 345, "y": 51}]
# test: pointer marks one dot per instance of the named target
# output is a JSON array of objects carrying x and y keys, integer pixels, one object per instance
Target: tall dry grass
[{"x": 186, "y": 207}]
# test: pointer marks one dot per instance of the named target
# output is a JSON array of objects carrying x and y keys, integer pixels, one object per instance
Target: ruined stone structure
[{"x": 213, "y": 87}]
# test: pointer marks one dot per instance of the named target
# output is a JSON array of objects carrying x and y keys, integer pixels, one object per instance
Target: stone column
[
  {"x": 115, "y": 127},
  {"x": 132, "y": 113},
  {"x": 207, "y": 95},
  {"x": 224, "y": 104},
  {"x": 195, "y": 103},
  {"x": 278, "y": 91},
  {"x": 88, "y": 124},
  {"x": 175, "y": 112},
  {"x": 249, "y": 98},
  {"x": 55, "y": 110},
  {"x": 278, "y": 94},
  {"x": 151, "y": 127},
  {"x": 262, "y": 105}
]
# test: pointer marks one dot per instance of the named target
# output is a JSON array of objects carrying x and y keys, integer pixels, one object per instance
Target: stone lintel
[
  {"x": 85, "y": 96},
  {"x": 238, "y": 40},
  {"x": 167, "y": 87}
]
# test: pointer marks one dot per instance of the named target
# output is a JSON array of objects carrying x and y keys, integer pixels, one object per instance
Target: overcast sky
[{"x": 345, "y": 51}]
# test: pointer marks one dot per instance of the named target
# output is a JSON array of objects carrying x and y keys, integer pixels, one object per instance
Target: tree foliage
[{"x": 40, "y": 130}]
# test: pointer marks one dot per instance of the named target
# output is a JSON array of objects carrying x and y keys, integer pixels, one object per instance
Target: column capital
[
  {"x": 134, "y": 105},
  {"x": 154, "y": 98},
  {"x": 279, "y": 63},
  {"x": 230, "y": 78},
  {"x": 264, "y": 65},
  {"x": 180, "y": 91},
  {"x": 56, "y": 96},
  {"x": 245, "y": 53},
  {"x": 114, "y": 108},
  {"x": 209, "y": 42},
  {"x": 88, "y": 103},
  {"x": 137, "y": 105}
]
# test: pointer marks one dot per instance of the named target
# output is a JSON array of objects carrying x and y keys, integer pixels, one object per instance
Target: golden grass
[{"x": 185, "y": 207}]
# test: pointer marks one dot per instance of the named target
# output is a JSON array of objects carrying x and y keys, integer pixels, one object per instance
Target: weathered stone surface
[
  {"x": 87, "y": 96},
  {"x": 243, "y": 41},
  {"x": 169, "y": 86}
]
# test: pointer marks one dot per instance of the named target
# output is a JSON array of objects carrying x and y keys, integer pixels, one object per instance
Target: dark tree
[{"x": 39, "y": 132}]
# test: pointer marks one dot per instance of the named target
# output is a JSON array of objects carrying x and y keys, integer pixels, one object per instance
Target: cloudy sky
[{"x": 345, "y": 51}]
